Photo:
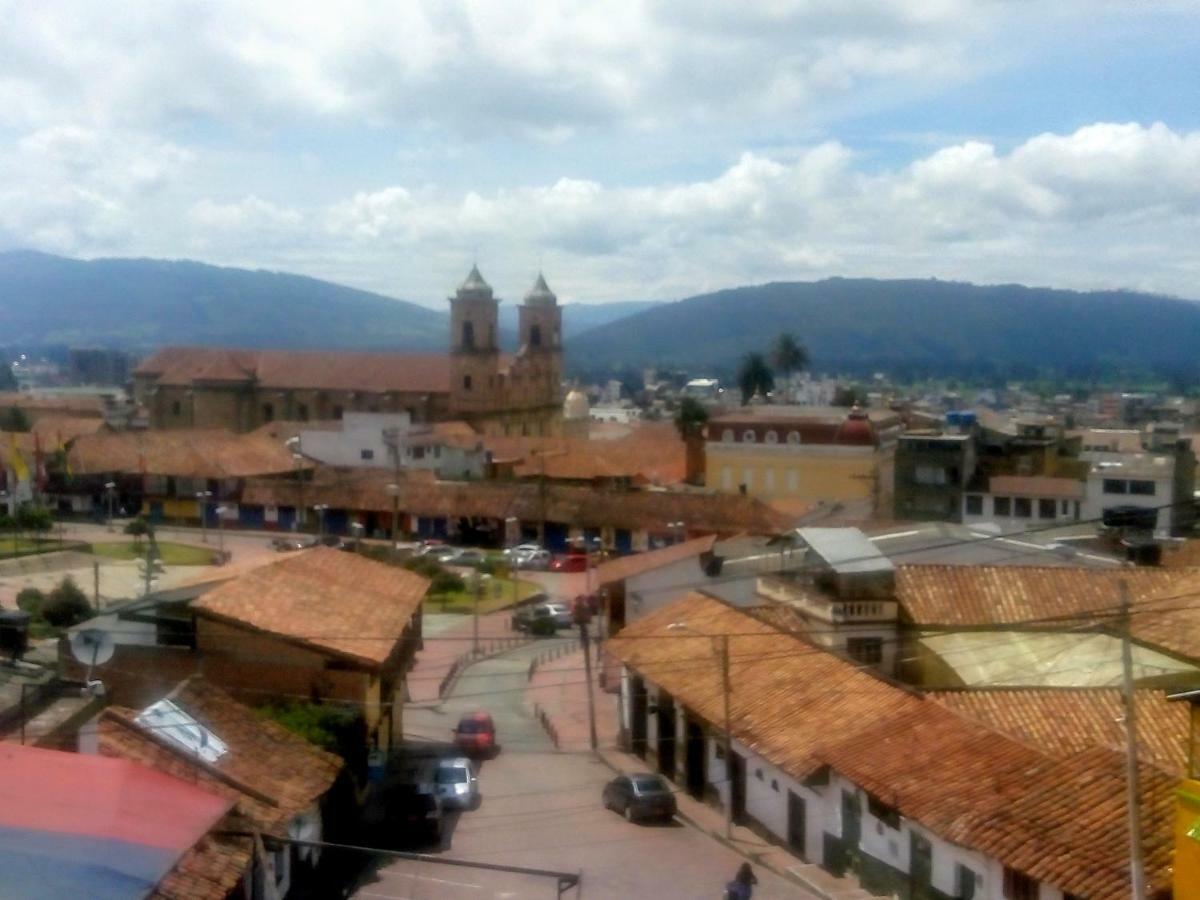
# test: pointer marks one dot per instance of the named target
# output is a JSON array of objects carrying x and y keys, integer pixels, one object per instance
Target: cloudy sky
[{"x": 634, "y": 150}]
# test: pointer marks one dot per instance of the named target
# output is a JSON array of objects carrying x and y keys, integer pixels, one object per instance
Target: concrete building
[
  {"x": 1160, "y": 479},
  {"x": 801, "y": 453},
  {"x": 240, "y": 389},
  {"x": 1016, "y": 502}
]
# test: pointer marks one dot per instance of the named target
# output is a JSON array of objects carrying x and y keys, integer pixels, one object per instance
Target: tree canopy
[
  {"x": 754, "y": 377},
  {"x": 788, "y": 355},
  {"x": 691, "y": 417}
]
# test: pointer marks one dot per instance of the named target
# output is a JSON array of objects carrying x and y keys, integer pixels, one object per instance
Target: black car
[
  {"x": 640, "y": 797},
  {"x": 414, "y": 815}
]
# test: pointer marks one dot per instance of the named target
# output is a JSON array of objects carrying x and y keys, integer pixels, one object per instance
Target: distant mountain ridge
[
  {"x": 923, "y": 327},
  {"x": 140, "y": 304}
]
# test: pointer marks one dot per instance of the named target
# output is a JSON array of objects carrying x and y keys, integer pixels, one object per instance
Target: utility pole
[
  {"x": 478, "y": 589},
  {"x": 1137, "y": 870},
  {"x": 728, "y": 737},
  {"x": 587, "y": 668}
]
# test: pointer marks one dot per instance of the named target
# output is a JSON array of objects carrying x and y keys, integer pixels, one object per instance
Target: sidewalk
[
  {"x": 559, "y": 687},
  {"x": 443, "y": 645}
]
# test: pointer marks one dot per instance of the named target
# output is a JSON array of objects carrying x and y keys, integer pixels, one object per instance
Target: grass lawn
[
  {"x": 25, "y": 546},
  {"x": 464, "y": 601},
  {"x": 170, "y": 554}
]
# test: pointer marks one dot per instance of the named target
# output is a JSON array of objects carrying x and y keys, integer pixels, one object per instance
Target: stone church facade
[{"x": 497, "y": 393}]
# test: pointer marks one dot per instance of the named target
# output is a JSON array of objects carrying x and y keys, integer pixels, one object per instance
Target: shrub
[
  {"x": 446, "y": 583},
  {"x": 424, "y": 566},
  {"x": 496, "y": 566},
  {"x": 34, "y": 518},
  {"x": 543, "y": 627},
  {"x": 138, "y": 528},
  {"x": 31, "y": 600},
  {"x": 66, "y": 605}
]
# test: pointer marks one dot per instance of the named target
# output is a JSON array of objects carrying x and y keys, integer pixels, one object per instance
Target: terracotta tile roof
[
  {"x": 53, "y": 428},
  {"x": 582, "y": 506},
  {"x": 301, "y": 369},
  {"x": 184, "y": 453},
  {"x": 1067, "y": 721},
  {"x": 211, "y": 869},
  {"x": 76, "y": 405},
  {"x": 635, "y": 564},
  {"x": 1186, "y": 555},
  {"x": 1166, "y": 612},
  {"x": 270, "y": 773},
  {"x": 327, "y": 599},
  {"x": 804, "y": 709},
  {"x": 1037, "y": 486},
  {"x": 651, "y": 455}
]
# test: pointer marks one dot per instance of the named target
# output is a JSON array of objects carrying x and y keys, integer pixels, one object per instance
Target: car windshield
[
  {"x": 471, "y": 726},
  {"x": 649, "y": 785},
  {"x": 452, "y": 775}
]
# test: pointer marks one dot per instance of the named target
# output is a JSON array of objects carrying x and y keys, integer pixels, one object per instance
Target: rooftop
[
  {"x": 625, "y": 567},
  {"x": 325, "y": 599},
  {"x": 845, "y": 550},
  {"x": 1037, "y": 486},
  {"x": 187, "y": 453}
]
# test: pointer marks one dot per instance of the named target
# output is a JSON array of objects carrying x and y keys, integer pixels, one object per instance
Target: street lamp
[
  {"x": 221, "y": 510},
  {"x": 202, "y": 504},
  {"x": 723, "y": 655},
  {"x": 110, "y": 488},
  {"x": 394, "y": 490},
  {"x": 319, "y": 509},
  {"x": 298, "y": 458}
]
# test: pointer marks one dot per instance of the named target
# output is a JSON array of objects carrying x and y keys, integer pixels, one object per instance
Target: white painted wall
[
  {"x": 1011, "y": 522},
  {"x": 1097, "y": 501}
]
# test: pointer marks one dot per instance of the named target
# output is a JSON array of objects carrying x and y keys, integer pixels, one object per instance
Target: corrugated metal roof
[{"x": 845, "y": 550}]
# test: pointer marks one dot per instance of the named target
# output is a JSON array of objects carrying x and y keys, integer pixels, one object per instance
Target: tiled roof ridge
[{"x": 124, "y": 716}]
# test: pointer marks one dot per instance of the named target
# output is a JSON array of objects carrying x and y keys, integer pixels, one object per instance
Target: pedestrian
[{"x": 742, "y": 886}]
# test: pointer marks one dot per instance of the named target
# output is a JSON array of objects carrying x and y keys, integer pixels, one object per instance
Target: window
[
  {"x": 176, "y": 408},
  {"x": 727, "y": 435},
  {"x": 1002, "y": 506},
  {"x": 769, "y": 480},
  {"x": 418, "y": 452},
  {"x": 1066, "y": 507},
  {"x": 888, "y": 815},
  {"x": 466, "y": 382},
  {"x": 1022, "y": 507},
  {"x": 747, "y": 478},
  {"x": 974, "y": 505},
  {"x": 1143, "y": 488},
  {"x": 866, "y": 650},
  {"x": 337, "y": 413},
  {"x": 964, "y": 882},
  {"x": 793, "y": 437},
  {"x": 771, "y": 438},
  {"x": 1115, "y": 486},
  {"x": 302, "y": 412},
  {"x": 366, "y": 454},
  {"x": 535, "y": 335},
  {"x": 793, "y": 481},
  {"x": 726, "y": 478},
  {"x": 748, "y": 436},
  {"x": 1019, "y": 886},
  {"x": 268, "y": 412},
  {"x": 468, "y": 335},
  {"x": 929, "y": 475},
  {"x": 1046, "y": 509}
]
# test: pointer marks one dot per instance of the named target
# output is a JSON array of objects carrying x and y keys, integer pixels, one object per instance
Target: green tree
[
  {"x": 754, "y": 377},
  {"x": 691, "y": 417},
  {"x": 788, "y": 355},
  {"x": 13, "y": 418},
  {"x": 66, "y": 605},
  {"x": 849, "y": 395},
  {"x": 8, "y": 381},
  {"x": 138, "y": 528}
]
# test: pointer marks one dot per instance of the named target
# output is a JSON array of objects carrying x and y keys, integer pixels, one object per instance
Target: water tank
[{"x": 14, "y": 632}]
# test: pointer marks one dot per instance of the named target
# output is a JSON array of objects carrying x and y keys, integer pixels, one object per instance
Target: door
[
  {"x": 920, "y": 867},
  {"x": 851, "y": 829},
  {"x": 797, "y": 824},
  {"x": 737, "y": 776},
  {"x": 666, "y": 736},
  {"x": 637, "y": 717},
  {"x": 695, "y": 754}
]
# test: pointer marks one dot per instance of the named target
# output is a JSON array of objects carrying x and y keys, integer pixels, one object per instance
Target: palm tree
[
  {"x": 788, "y": 355},
  {"x": 754, "y": 377}
]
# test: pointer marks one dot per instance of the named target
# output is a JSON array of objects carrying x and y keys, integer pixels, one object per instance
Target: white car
[
  {"x": 533, "y": 560},
  {"x": 456, "y": 783}
]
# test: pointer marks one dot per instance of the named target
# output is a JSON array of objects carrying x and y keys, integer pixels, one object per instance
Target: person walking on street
[{"x": 742, "y": 886}]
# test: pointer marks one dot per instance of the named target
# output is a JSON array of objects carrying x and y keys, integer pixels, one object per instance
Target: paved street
[{"x": 541, "y": 810}]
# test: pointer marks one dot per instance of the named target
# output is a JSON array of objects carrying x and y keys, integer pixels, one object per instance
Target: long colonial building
[{"x": 243, "y": 389}]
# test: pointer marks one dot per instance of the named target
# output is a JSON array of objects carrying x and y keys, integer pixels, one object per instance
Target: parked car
[
  {"x": 415, "y": 815},
  {"x": 473, "y": 558},
  {"x": 559, "y": 614},
  {"x": 293, "y": 542},
  {"x": 456, "y": 783},
  {"x": 475, "y": 735},
  {"x": 571, "y": 562},
  {"x": 430, "y": 547},
  {"x": 640, "y": 797},
  {"x": 521, "y": 550},
  {"x": 332, "y": 540},
  {"x": 534, "y": 561}
]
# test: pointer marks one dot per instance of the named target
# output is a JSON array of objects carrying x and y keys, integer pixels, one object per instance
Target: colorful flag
[{"x": 17, "y": 462}]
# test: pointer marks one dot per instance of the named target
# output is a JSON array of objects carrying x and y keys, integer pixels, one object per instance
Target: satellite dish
[{"x": 92, "y": 647}]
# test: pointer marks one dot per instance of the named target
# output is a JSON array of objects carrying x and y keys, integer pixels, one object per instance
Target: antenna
[{"x": 92, "y": 647}]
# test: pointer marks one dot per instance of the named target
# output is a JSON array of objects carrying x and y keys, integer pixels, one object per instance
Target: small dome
[
  {"x": 576, "y": 406},
  {"x": 475, "y": 286},
  {"x": 540, "y": 294},
  {"x": 857, "y": 429}
]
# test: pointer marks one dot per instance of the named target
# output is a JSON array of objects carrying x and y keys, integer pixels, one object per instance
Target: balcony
[{"x": 803, "y": 596}]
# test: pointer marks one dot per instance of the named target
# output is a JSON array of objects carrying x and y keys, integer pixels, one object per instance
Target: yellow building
[
  {"x": 1187, "y": 816},
  {"x": 811, "y": 454}
]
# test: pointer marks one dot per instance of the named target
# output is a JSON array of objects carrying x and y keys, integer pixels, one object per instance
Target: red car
[
  {"x": 572, "y": 562},
  {"x": 475, "y": 734}
]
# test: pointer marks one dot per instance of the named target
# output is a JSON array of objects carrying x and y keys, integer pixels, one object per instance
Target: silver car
[{"x": 456, "y": 783}]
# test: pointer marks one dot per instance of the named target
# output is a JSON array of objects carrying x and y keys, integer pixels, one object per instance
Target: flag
[
  {"x": 18, "y": 462},
  {"x": 62, "y": 448},
  {"x": 39, "y": 463}
]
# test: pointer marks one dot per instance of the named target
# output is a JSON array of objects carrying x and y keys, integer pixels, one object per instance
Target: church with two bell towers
[{"x": 516, "y": 394}]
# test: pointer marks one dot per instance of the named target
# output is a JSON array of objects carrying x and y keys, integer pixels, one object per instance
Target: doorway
[
  {"x": 695, "y": 758},
  {"x": 797, "y": 824},
  {"x": 737, "y": 787},
  {"x": 637, "y": 716},
  {"x": 921, "y": 867},
  {"x": 666, "y": 736}
]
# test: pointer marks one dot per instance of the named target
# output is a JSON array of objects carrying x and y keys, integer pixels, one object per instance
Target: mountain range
[
  {"x": 903, "y": 326},
  {"x": 139, "y": 304}
]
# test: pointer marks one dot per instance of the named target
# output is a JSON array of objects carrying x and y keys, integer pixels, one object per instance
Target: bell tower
[
  {"x": 541, "y": 342},
  {"x": 474, "y": 351}
]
